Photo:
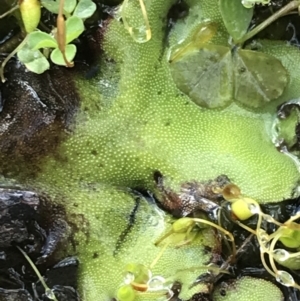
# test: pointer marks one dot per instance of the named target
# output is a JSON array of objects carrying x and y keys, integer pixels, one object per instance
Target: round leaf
[
  {"x": 236, "y": 17},
  {"x": 259, "y": 77},
  {"x": 39, "y": 65},
  {"x": 39, "y": 39},
  {"x": 57, "y": 57},
  {"x": 205, "y": 75},
  {"x": 69, "y": 5},
  {"x": 53, "y": 6},
  {"x": 25, "y": 54},
  {"x": 84, "y": 9},
  {"x": 74, "y": 28},
  {"x": 33, "y": 60}
]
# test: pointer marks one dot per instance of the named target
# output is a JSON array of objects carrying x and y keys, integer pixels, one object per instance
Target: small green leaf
[
  {"x": 84, "y": 9},
  {"x": 53, "y": 6},
  {"x": 205, "y": 75},
  {"x": 69, "y": 5},
  {"x": 39, "y": 39},
  {"x": 290, "y": 237},
  {"x": 57, "y": 57},
  {"x": 259, "y": 77},
  {"x": 33, "y": 60},
  {"x": 26, "y": 55},
  {"x": 74, "y": 28},
  {"x": 39, "y": 65},
  {"x": 236, "y": 17}
]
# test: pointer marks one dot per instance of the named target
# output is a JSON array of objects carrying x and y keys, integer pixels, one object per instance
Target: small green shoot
[
  {"x": 48, "y": 292},
  {"x": 236, "y": 17},
  {"x": 186, "y": 225},
  {"x": 139, "y": 279}
]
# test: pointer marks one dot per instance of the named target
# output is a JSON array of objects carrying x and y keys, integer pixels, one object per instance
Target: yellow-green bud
[
  {"x": 182, "y": 224},
  {"x": 31, "y": 14},
  {"x": 126, "y": 293},
  {"x": 290, "y": 238}
]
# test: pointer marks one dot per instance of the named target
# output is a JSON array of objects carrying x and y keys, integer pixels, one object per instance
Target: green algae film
[{"x": 150, "y": 125}]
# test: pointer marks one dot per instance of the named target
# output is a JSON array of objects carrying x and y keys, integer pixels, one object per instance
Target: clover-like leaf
[
  {"x": 214, "y": 76},
  {"x": 39, "y": 39},
  {"x": 74, "y": 28},
  {"x": 57, "y": 57},
  {"x": 53, "y": 6},
  {"x": 236, "y": 17},
  {"x": 34, "y": 60},
  {"x": 84, "y": 9},
  {"x": 258, "y": 77},
  {"x": 205, "y": 76}
]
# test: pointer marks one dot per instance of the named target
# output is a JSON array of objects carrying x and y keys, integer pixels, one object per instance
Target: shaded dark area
[
  {"x": 33, "y": 222},
  {"x": 285, "y": 28},
  {"x": 38, "y": 111},
  {"x": 178, "y": 11},
  {"x": 60, "y": 278}
]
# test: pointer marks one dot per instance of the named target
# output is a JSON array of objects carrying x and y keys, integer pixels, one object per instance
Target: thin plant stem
[
  {"x": 246, "y": 227},
  {"x": 292, "y": 219},
  {"x": 163, "y": 237},
  {"x": 262, "y": 257},
  {"x": 9, "y": 57},
  {"x": 271, "y": 250},
  {"x": 283, "y": 11},
  {"x": 259, "y": 221},
  {"x": 9, "y": 11},
  {"x": 270, "y": 219},
  {"x": 203, "y": 221},
  {"x": 154, "y": 262},
  {"x": 41, "y": 278}
]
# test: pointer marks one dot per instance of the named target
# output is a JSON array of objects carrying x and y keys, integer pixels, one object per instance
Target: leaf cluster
[
  {"x": 215, "y": 75},
  {"x": 31, "y": 55}
]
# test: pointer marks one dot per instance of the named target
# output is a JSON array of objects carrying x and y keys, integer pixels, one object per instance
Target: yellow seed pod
[
  {"x": 126, "y": 293},
  {"x": 242, "y": 208},
  {"x": 31, "y": 14}
]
